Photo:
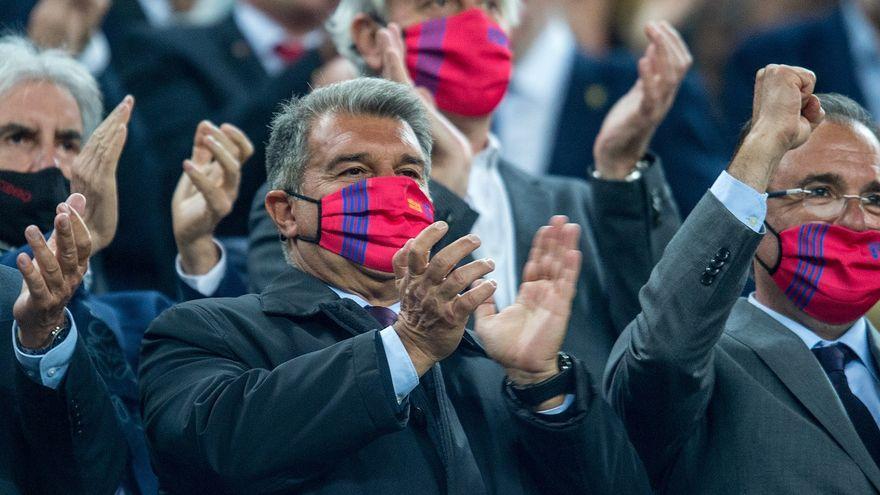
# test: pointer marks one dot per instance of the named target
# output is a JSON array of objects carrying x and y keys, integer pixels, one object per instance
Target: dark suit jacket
[
  {"x": 97, "y": 404},
  {"x": 821, "y": 45},
  {"x": 182, "y": 75},
  {"x": 689, "y": 139},
  {"x": 289, "y": 391},
  {"x": 734, "y": 405},
  {"x": 625, "y": 227}
]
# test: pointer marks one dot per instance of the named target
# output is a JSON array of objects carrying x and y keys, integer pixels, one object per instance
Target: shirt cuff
[
  {"x": 746, "y": 204},
  {"x": 48, "y": 369},
  {"x": 404, "y": 376},
  {"x": 561, "y": 408},
  {"x": 208, "y": 283}
]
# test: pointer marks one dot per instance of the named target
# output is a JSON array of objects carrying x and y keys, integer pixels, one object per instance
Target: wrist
[
  {"x": 421, "y": 361},
  {"x": 550, "y": 388},
  {"x": 615, "y": 169},
  {"x": 198, "y": 257},
  {"x": 37, "y": 337},
  {"x": 756, "y": 160}
]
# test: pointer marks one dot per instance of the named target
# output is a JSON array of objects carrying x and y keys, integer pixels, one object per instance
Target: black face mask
[{"x": 29, "y": 199}]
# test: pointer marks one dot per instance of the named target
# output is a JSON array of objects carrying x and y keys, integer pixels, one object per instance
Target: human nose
[
  {"x": 852, "y": 214},
  {"x": 46, "y": 158}
]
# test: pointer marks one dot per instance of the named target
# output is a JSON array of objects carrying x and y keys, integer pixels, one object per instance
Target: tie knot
[
  {"x": 833, "y": 357},
  {"x": 385, "y": 316}
]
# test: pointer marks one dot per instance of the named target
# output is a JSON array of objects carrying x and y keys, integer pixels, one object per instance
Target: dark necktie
[
  {"x": 833, "y": 359},
  {"x": 386, "y": 317}
]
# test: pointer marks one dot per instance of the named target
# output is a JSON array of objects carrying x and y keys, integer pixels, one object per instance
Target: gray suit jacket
[
  {"x": 733, "y": 405},
  {"x": 625, "y": 226}
]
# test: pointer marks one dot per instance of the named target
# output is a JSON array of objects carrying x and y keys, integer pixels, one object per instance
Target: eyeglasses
[{"x": 825, "y": 203}]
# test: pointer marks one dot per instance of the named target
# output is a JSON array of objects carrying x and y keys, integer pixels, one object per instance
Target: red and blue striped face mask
[
  {"x": 464, "y": 60},
  {"x": 370, "y": 220},
  {"x": 830, "y": 272}
]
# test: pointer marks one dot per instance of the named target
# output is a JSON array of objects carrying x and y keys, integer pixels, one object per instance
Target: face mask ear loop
[
  {"x": 771, "y": 271},
  {"x": 317, "y": 238}
]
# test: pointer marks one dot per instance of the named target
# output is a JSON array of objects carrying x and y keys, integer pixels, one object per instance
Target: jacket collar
[
  {"x": 796, "y": 367},
  {"x": 296, "y": 294}
]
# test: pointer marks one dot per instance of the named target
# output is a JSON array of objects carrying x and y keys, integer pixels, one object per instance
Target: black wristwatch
[
  {"x": 58, "y": 335},
  {"x": 559, "y": 384}
]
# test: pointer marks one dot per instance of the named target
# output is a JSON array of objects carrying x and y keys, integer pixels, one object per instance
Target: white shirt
[
  {"x": 487, "y": 195},
  {"x": 528, "y": 117},
  {"x": 263, "y": 34}
]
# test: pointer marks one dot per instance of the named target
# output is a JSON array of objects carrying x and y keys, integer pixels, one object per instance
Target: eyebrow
[
  {"x": 14, "y": 127},
  {"x": 69, "y": 134},
  {"x": 832, "y": 179},
  {"x": 412, "y": 160},
  {"x": 353, "y": 157}
]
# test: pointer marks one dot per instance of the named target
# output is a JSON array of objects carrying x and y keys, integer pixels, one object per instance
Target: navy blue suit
[
  {"x": 102, "y": 374},
  {"x": 689, "y": 139},
  {"x": 821, "y": 45}
]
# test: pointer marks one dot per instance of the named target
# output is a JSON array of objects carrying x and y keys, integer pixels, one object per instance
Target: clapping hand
[
  {"x": 93, "y": 174},
  {"x": 630, "y": 124},
  {"x": 53, "y": 275},
  {"x": 206, "y": 192},
  {"x": 526, "y": 336},
  {"x": 451, "y": 156},
  {"x": 433, "y": 309}
]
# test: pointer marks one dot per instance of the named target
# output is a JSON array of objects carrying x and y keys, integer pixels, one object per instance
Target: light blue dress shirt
[
  {"x": 861, "y": 373},
  {"x": 750, "y": 208},
  {"x": 48, "y": 369}
]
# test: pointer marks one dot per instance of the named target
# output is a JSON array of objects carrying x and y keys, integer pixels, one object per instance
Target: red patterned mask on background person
[
  {"x": 464, "y": 60},
  {"x": 370, "y": 220},
  {"x": 830, "y": 272}
]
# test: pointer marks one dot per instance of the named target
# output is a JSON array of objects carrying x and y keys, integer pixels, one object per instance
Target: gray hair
[
  {"x": 22, "y": 61},
  {"x": 288, "y": 152},
  {"x": 339, "y": 24},
  {"x": 839, "y": 109}
]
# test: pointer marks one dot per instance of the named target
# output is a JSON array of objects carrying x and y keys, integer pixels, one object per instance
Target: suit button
[
  {"x": 723, "y": 254},
  {"x": 716, "y": 263},
  {"x": 417, "y": 417},
  {"x": 707, "y": 279},
  {"x": 712, "y": 270}
]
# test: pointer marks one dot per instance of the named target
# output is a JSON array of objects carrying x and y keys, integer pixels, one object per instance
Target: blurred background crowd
[{"x": 234, "y": 60}]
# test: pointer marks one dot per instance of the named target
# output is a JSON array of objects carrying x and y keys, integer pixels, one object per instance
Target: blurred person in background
[
  {"x": 236, "y": 70},
  {"x": 73, "y": 368},
  {"x": 565, "y": 83}
]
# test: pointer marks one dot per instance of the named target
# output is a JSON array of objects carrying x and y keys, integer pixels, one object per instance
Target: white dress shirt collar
[
  {"x": 157, "y": 12},
  {"x": 856, "y": 338},
  {"x": 263, "y": 34}
]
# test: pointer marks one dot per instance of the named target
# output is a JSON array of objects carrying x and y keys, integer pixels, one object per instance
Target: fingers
[
  {"x": 65, "y": 245},
  {"x": 566, "y": 282},
  {"x": 45, "y": 259},
  {"x": 468, "y": 302},
  {"x": 82, "y": 237},
  {"x": 487, "y": 308},
  {"x": 229, "y": 164},
  {"x": 32, "y": 278},
  {"x": 78, "y": 202},
  {"x": 391, "y": 47},
  {"x": 813, "y": 111},
  {"x": 237, "y": 136},
  {"x": 443, "y": 262},
  {"x": 420, "y": 249},
  {"x": 214, "y": 196},
  {"x": 399, "y": 260},
  {"x": 463, "y": 277}
]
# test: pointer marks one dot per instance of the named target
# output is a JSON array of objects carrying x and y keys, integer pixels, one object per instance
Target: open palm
[{"x": 526, "y": 336}]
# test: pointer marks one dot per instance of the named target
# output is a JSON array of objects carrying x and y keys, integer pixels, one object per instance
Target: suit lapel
[
  {"x": 527, "y": 218},
  {"x": 874, "y": 343},
  {"x": 796, "y": 367}
]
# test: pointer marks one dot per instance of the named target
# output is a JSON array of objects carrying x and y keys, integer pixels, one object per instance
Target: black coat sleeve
[
  {"x": 632, "y": 222},
  {"x": 250, "y": 429},
  {"x": 73, "y": 440},
  {"x": 584, "y": 450}
]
